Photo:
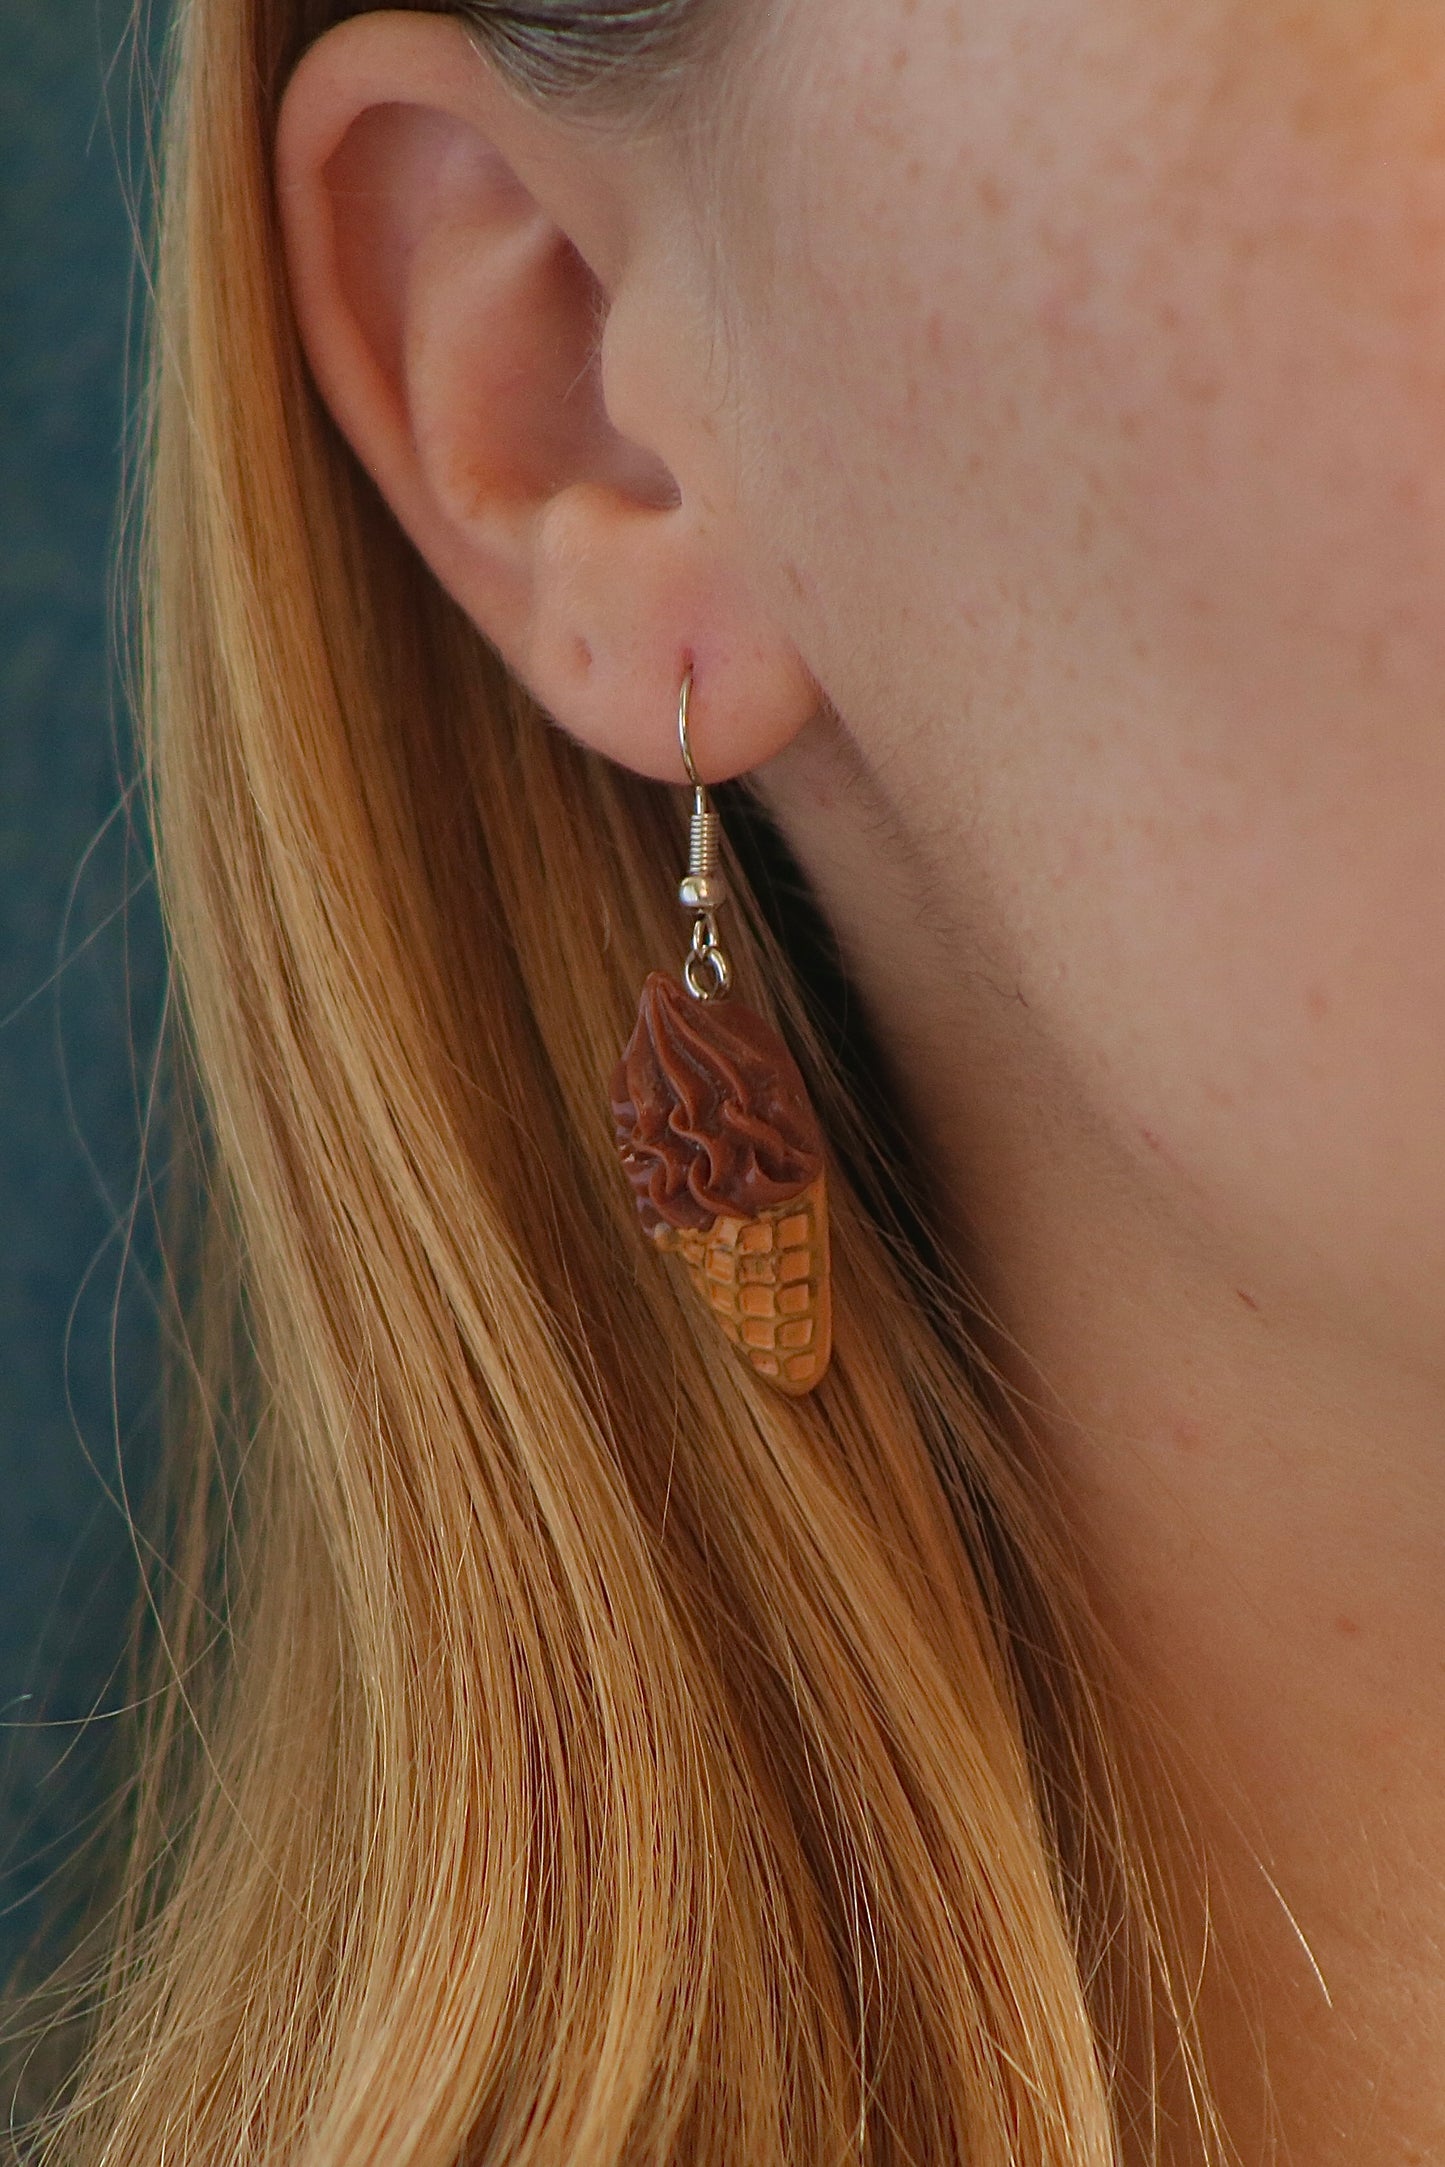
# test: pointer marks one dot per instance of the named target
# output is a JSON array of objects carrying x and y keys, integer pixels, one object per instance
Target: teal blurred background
[{"x": 80, "y": 963}]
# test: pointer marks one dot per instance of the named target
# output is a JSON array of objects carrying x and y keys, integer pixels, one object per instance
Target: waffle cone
[{"x": 767, "y": 1282}]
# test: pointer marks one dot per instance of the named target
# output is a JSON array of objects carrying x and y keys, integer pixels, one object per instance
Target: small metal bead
[{"x": 702, "y": 891}]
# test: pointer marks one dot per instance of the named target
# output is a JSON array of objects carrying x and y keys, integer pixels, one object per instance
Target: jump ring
[{"x": 707, "y": 974}]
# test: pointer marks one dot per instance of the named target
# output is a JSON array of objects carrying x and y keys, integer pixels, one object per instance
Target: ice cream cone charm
[
  {"x": 725, "y": 1159},
  {"x": 720, "y": 1142}
]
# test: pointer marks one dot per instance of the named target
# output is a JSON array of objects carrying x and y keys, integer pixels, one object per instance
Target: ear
[{"x": 487, "y": 293}]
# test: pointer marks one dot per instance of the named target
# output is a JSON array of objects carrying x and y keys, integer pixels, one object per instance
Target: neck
[{"x": 1257, "y": 1492}]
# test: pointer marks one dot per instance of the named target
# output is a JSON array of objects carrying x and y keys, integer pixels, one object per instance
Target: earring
[{"x": 719, "y": 1140}]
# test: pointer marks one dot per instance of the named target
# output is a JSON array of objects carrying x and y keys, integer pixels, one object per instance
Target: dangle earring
[{"x": 720, "y": 1142}]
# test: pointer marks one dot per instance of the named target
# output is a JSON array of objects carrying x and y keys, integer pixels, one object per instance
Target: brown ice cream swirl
[{"x": 713, "y": 1117}]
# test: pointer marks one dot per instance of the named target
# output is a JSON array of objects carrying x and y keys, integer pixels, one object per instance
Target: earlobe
[{"x": 443, "y": 240}]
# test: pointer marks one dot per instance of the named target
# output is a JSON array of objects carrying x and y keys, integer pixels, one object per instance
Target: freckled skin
[{"x": 1085, "y": 395}]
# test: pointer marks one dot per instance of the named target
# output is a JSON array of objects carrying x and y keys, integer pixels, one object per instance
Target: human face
[{"x": 1085, "y": 422}]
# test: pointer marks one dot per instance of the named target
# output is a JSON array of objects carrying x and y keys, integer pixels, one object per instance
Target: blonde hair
[{"x": 568, "y": 1751}]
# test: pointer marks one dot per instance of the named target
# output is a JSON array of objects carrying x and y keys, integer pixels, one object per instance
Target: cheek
[
  {"x": 1095, "y": 448},
  {"x": 1260, "y": 374},
  {"x": 1185, "y": 321}
]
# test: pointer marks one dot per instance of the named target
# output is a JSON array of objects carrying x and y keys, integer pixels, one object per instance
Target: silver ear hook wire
[
  {"x": 683, "y": 738},
  {"x": 706, "y": 973}
]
